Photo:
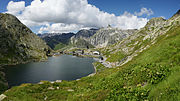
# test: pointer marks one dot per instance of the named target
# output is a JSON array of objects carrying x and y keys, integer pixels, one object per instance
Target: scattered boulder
[{"x": 2, "y": 96}]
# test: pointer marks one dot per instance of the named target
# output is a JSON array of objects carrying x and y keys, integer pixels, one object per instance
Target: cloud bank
[{"x": 72, "y": 15}]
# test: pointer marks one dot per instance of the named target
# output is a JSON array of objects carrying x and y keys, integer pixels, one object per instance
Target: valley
[{"x": 143, "y": 64}]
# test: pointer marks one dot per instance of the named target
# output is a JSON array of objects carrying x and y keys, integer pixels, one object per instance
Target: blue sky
[{"x": 165, "y": 8}]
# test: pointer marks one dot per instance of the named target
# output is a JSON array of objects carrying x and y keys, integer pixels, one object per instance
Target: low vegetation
[
  {"x": 59, "y": 46},
  {"x": 99, "y": 67},
  {"x": 116, "y": 57}
]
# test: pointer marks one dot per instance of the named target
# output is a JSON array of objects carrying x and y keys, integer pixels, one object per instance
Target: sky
[{"x": 61, "y": 16}]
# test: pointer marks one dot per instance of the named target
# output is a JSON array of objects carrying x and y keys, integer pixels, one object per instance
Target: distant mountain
[
  {"x": 85, "y": 34},
  {"x": 108, "y": 36},
  {"x": 81, "y": 38},
  {"x": 53, "y": 39},
  {"x": 86, "y": 38},
  {"x": 60, "y": 40},
  {"x": 100, "y": 37}
]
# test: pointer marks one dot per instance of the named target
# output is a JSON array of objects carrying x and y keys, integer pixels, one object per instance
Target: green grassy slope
[
  {"x": 59, "y": 46},
  {"x": 152, "y": 75}
]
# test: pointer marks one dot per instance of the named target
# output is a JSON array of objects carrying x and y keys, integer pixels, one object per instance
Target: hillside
[
  {"x": 55, "y": 39},
  {"x": 148, "y": 68},
  {"x": 124, "y": 51},
  {"x": 80, "y": 40},
  {"x": 18, "y": 44},
  {"x": 84, "y": 33},
  {"x": 108, "y": 36}
]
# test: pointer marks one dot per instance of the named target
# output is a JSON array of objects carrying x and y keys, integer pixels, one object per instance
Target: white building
[{"x": 96, "y": 53}]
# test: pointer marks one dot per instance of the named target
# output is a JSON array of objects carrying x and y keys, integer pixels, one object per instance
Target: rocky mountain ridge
[
  {"x": 109, "y": 36},
  {"x": 89, "y": 38},
  {"x": 80, "y": 39},
  {"x": 85, "y": 33}
]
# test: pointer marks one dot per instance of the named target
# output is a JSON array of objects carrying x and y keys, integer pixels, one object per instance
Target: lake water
[{"x": 64, "y": 67}]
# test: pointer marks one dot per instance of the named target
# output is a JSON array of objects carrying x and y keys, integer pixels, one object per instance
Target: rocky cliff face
[
  {"x": 100, "y": 37},
  {"x": 81, "y": 38},
  {"x": 109, "y": 36},
  {"x": 18, "y": 43},
  {"x": 86, "y": 34}
]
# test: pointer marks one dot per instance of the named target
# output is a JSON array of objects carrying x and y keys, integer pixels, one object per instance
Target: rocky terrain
[
  {"x": 101, "y": 37},
  {"x": 108, "y": 36},
  {"x": 81, "y": 38},
  {"x": 86, "y": 34},
  {"x": 124, "y": 51},
  {"x": 18, "y": 44}
]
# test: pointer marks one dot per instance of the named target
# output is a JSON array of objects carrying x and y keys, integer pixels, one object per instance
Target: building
[{"x": 96, "y": 53}]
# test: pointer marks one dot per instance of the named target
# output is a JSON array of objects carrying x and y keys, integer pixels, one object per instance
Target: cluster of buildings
[{"x": 80, "y": 52}]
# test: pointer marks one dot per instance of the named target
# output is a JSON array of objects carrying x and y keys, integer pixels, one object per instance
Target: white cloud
[
  {"x": 59, "y": 27},
  {"x": 129, "y": 21},
  {"x": 70, "y": 15},
  {"x": 144, "y": 11},
  {"x": 15, "y": 7}
]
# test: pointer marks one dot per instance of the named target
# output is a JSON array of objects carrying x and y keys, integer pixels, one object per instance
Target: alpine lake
[{"x": 64, "y": 67}]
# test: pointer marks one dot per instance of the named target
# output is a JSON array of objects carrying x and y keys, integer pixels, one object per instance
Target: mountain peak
[{"x": 155, "y": 21}]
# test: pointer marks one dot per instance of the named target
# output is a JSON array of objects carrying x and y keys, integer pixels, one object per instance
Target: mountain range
[
  {"x": 86, "y": 38},
  {"x": 146, "y": 62}
]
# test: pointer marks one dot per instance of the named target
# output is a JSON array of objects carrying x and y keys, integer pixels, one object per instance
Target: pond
[{"x": 64, "y": 67}]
